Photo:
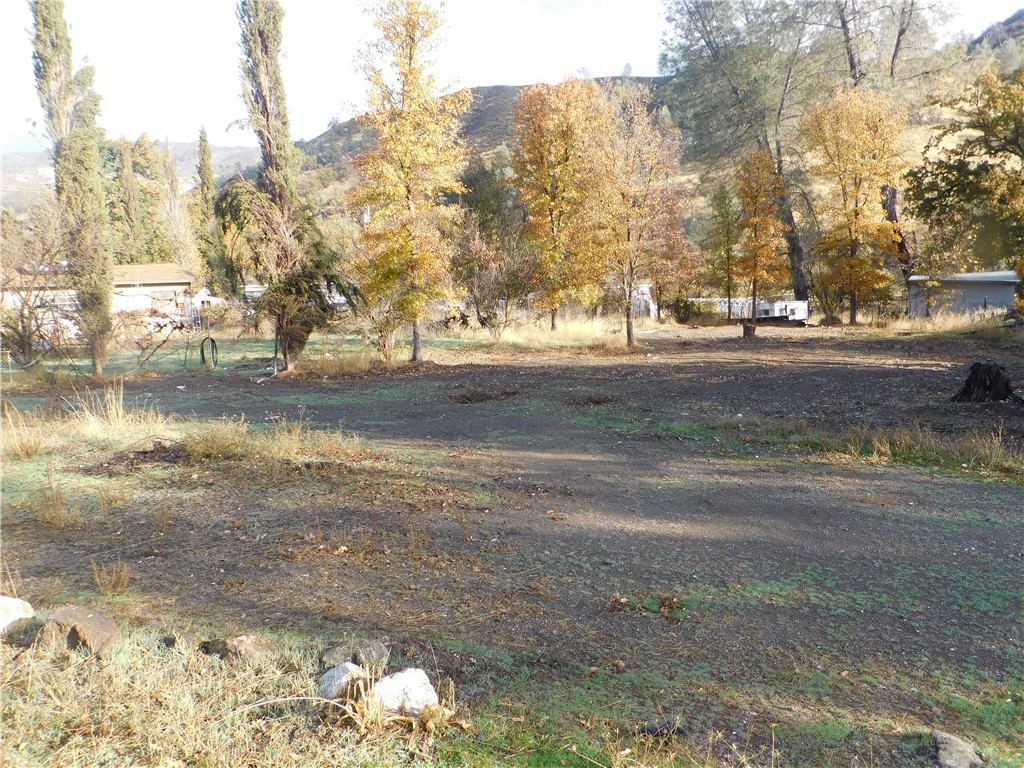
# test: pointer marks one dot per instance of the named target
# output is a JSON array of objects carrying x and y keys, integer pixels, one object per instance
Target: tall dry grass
[
  {"x": 972, "y": 451},
  {"x": 573, "y": 333},
  {"x": 23, "y": 435},
  {"x": 104, "y": 414},
  {"x": 946, "y": 323},
  {"x": 147, "y": 704},
  {"x": 284, "y": 441}
]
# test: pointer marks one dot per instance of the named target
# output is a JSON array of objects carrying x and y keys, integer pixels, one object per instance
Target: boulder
[
  {"x": 368, "y": 654},
  {"x": 407, "y": 693},
  {"x": 249, "y": 648},
  {"x": 73, "y": 627},
  {"x": 341, "y": 682},
  {"x": 954, "y": 752},
  {"x": 13, "y": 612}
]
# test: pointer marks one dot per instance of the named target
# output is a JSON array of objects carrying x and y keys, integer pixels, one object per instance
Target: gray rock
[
  {"x": 341, "y": 682},
  {"x": 13, "y": 612},
  {"x": 73, "y": 627},
  {"x": 408, "y": 693},
  {"x": 954, "y": 752},
  {"x": 184, "y": 639},
  {"x": 368, "y": 654},
  {"x": 249, "y": 648}
]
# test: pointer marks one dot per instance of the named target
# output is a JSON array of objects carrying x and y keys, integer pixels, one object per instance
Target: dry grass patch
[
  {"x": 23, "y": 437},
  {"x": 49, "y": 507},
  {"x": 947, "y": 324},
  {"x": 570, "y": 334},
  {"x": 986, "y": 452},
  {"x": 103, "y": 414},
  {"x": 151, "y": 705},
  {"x": 113, "y": 580},
  {"x": 283, "y": 441}
]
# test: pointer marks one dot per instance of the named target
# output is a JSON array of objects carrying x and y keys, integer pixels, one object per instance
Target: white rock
[
  {"x": 338, "y": 682},
  {"x": 13, "y": 610},
  {"x": 408, "y": 692}
]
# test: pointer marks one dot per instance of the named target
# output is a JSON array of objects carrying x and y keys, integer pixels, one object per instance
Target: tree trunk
[
  {"x": 97, "y": 352},
  {"x": 630, "y": 339},
  {"x": 795, "y": 250},
  {"x": 853, "y": 307},
  {"x": 753, "y": 302},
  {"x": 417, "y": 343},
  {"x": 987, "y": 382},
  {"x": 890, "y": 199},
  {"x": 554, "y": 318}
]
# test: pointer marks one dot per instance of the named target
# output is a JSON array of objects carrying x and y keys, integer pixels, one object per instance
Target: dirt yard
[{"x": 668, "y": 536}]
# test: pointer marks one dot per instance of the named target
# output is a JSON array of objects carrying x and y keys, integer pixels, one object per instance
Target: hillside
[
  {"x": 28, "y": 175},
  {"x": 1011, "y": 28},
  {"x": 486, "y": 126}
]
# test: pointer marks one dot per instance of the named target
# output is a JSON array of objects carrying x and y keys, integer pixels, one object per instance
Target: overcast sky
[{"x": 167, "y": 68}]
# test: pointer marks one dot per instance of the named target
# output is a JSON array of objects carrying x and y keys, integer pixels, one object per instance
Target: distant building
[
  {"x": 970, "y": 292},
  {"x": 163, "y": 288},
  {"x": 786, "y": 310}
]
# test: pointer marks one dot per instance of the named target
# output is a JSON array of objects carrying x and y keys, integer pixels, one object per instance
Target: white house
[{"x": 970, "y": 292}]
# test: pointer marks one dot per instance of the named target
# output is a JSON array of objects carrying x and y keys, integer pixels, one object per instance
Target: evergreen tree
[
  {"x": 207, "y": 177},
  {"x": 288, "y": 251},
  {"x": 720, "y": 240},
  {"x": 70, "y": 107}
]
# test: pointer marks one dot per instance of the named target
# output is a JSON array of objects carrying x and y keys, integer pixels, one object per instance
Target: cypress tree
[
  {"x": 70, "y": 107},
  {"x": 289, "y": 252},
  {"x": 207, "y": 178}
]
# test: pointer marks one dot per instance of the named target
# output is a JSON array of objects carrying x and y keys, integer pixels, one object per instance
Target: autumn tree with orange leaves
[
  {"x": 761, "y": 252},
  {"x": 557, "y": 154}
]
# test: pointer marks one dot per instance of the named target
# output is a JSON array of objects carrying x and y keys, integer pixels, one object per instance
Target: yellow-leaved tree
[
  {"x": 642, "y": 210},
  {"x": 415, "y": 160},
  {"x": 855, "y": 142},
  {"x": 559, "y": 132},
  {"x": 761, "y": 259}
]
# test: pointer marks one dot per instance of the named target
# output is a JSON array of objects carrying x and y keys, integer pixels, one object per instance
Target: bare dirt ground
[{"x": 661, "y": 525}]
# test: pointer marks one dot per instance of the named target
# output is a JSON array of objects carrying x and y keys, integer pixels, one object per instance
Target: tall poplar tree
[
  {"x": 720, "y": 240},
  {"x": 207, "y": 177},
  {"x": 70, "y": 107},
  {"x": 289, "y": 253},
  {"x": 416, "y": 159}
]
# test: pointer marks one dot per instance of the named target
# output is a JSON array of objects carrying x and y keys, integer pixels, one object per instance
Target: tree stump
[{"x": 987, "y": 382}]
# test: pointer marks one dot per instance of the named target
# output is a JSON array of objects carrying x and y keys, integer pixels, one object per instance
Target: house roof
[
  {"x": 1008, "y": 276},
  {"x": 152, "y": 274}
]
